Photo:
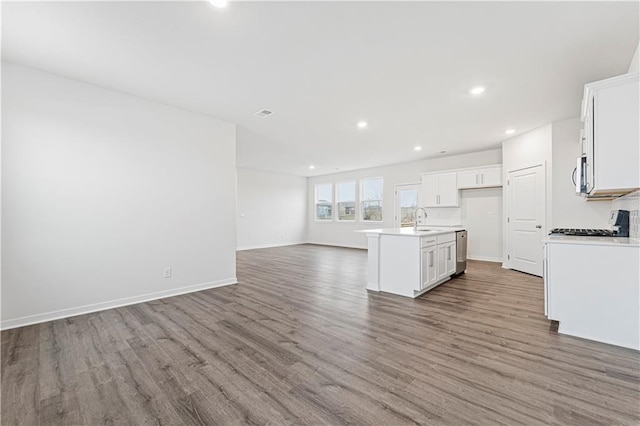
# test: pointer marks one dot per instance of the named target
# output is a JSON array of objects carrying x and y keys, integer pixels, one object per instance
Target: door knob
[{"x": 538, "y": 226}]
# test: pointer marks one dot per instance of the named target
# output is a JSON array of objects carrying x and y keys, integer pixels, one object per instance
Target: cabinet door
[
  {"x": 491, "y": 176},
  {"x": 430, "y": 191},
  {"x": 448, "y": 190},
  {"x": 468, "y": 179},
  {"x": 451, "y": 259},
  {"x": 428, "y": 261},
  {"x": 442, "y": 261}
]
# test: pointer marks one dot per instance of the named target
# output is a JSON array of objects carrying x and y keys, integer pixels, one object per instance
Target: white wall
[
  {"x": 272, "y": 209},
  {"x": 342, "y": 234},
  {"x": 101, "y": 191},
  {"x": 570, "y": 210},
  {"x": 482, "y": 218},
  {"x": 528, "y": 150}
]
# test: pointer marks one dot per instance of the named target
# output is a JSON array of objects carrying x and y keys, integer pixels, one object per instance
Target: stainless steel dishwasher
[{"x": 461, "y": 251}]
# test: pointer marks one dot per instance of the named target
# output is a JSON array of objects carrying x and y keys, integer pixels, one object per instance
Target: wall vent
[{"x": 263, "y": 113}]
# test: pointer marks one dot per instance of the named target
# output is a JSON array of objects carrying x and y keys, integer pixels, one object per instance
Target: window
[
  {"x": 372, "y": 199},
  {"x": 324, "y": 201},
  {"x": 346, "y": 200}
]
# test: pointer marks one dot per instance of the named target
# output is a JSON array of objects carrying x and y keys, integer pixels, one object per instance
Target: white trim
[
  {"x": 95, "y": 307},
  {"x": 336, "y": 245},
  {"x": 261, "y": 246},
  {"x": 485, "y": 259}
]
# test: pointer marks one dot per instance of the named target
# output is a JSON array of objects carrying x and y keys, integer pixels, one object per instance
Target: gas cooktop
[{"x": 583, "y": 232}]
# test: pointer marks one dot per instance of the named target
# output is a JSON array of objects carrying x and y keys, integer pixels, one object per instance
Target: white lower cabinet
[
  {"x": 593, "y": 290},
  {"x": 429, "y": 273},
  {"x": 451, "y": 258},
  {"x": 438, "y": 260},
  {"x": 446, "y": 259}
]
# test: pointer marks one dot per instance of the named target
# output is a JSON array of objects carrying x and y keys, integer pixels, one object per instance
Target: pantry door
[{"x": 526, "y": 219}]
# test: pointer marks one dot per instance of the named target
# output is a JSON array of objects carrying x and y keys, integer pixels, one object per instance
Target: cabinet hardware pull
[{"x": 476, "y": 178}]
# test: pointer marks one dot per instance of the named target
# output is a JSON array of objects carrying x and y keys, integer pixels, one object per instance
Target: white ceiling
[{"x": 405, "y": 68}]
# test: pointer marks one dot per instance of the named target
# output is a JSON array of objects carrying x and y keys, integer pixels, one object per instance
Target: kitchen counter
[
  {"x": 599, "y": 241},
  {"x": 409, "y": 232}
]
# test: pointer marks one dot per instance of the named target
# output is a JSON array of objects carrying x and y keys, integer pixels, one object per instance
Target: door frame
[
  {"x": 396, "y": 200},
  {"x": 507, "y": 204}
]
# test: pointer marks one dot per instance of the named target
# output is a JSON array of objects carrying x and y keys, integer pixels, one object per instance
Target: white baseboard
[
  {"x": 337, "y": 245},
  {"x": 270, "y": 245},
  {"x": 94, "y": 307},
  {"x": 485, "y": 259}
]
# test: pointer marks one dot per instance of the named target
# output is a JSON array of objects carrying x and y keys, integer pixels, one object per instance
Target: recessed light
[
  {"x": 311, "y": 167},
  {"x": 219, "y": 3},
  {"x": 417, "y": 148},
  {"x": 510, "y": 131},
  {"x": 477, "y": 90},
  {"x": 263, "y": 113},
  {"x": 362, "y": 124}
]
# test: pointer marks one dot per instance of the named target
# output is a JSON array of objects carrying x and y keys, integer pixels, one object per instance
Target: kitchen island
[{"x": 410, "y": 262}]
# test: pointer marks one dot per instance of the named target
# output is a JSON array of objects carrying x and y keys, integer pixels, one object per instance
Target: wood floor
[{"x": 300, "y": 341}]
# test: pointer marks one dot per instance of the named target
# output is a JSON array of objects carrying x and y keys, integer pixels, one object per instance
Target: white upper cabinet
[
  {"x": 611, "y": 136},
  {"x": 480, "y": 178},
  {"x": 440, "y": 190}
]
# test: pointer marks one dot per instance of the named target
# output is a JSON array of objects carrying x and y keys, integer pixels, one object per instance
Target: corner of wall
[{"x": 634, "y": 66}]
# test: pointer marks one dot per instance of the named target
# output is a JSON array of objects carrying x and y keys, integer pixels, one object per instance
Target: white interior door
[
  {"x": 525, "y": 219},
  {"x": 406, "y": 203}
]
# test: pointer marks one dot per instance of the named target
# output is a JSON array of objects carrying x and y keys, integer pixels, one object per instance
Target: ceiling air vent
[{"x": 263, "y": 113}]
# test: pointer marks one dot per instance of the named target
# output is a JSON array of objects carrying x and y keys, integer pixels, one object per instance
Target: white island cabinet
[
  {"x": 592, "y": 288},
  {"x": 407, "y": 262}
]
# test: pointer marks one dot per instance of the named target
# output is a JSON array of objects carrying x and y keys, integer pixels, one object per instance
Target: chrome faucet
[{"x": 415, "y": 213}]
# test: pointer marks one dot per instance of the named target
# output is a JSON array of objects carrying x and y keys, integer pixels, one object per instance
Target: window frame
[{"x": 362, "y": 200}]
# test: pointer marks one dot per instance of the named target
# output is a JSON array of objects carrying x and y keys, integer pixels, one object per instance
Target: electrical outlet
[{"x": 167, "y": 272}]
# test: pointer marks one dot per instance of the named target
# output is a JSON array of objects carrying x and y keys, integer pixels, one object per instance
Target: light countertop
[
  {"x": 600, "y": 241},
  {"x": 409, "y": 232}
]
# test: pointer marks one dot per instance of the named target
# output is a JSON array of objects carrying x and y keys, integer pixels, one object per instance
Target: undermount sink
[{"x": 426, "y": 229}]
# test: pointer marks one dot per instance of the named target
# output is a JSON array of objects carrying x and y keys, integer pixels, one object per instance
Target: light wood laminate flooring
[{"x": 300, "y": 341}]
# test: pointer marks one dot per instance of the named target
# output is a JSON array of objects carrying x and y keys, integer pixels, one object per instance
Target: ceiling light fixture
[
  {"x": 311, "y": 167},
  {"x": 362, "y": 124},
  {"x": 417, "y": 148},
  {"x": 510, "y": 131},
  {"x": 477, "y": 90},
  {"x": 220, "y": 4}
]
